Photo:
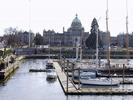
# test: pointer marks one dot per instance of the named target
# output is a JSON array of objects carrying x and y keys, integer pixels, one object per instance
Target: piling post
[
  {"x": 67, "y": 74},
  {"x": 123, "y": 75},
  {"x": 109, "y": 68},
  {"x": 79, "y": 78},
  {"x": 63, "y": 65},
  {"x": 73, "y": 70}
]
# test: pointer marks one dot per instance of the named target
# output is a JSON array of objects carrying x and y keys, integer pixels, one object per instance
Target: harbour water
[{"x": 25, "y": 85}]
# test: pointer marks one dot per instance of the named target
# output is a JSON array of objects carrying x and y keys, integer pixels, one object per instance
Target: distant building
[
  {"x": 104, "y": 39},
  {"x": 121, "y": 40},
  {"x": 24, "y": 38},
  {"x": 113, "y": 41},
  {"x": 75, "y": 34}
]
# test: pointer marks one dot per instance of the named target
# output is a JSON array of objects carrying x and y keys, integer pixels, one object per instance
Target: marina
[
  {"x": 29, "y": 83},
  {"x": 72, "y": 89},
  {"x": 40, "y": 62}
]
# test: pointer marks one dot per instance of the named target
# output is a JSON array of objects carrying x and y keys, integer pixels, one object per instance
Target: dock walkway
[{"x": 63, "y": 80}]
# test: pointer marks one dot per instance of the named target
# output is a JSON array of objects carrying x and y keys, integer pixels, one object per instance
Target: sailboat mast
[
  {"x": 81, "y": 46},
  {"x": 97, "y": 47},
  {"x": 49, "y": 48},
  {"x": 29, "y": 23},
  {"x": 108, "y": 48},
  {"x": 127, "y": 38}
]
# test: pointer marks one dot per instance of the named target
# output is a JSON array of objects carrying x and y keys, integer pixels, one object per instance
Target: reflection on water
[
  {"x": 25, "y": 85},
  {"x": 51, "y": 80}
]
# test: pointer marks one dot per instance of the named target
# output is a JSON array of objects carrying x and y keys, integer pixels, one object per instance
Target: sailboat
[{"x": 100, "y": 81}]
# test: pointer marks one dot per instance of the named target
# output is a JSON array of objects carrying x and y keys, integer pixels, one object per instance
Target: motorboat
[
  {"x": 49, "y": 64},
  {"x": 51, "y": 74},
  {"x": 99, "y": 82}
]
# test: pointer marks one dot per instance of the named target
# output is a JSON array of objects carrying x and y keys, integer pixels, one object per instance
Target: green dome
[{"x": 76, "y": 23}]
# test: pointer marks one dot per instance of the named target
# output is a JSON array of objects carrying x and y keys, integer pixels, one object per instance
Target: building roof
[{"x": 76, "y": 23}]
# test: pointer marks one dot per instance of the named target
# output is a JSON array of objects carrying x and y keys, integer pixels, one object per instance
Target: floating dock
[
  {"x": 37, "y": 70},
  {"x": 74, "y": 90}
]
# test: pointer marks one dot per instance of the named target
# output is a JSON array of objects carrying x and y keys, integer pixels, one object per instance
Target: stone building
[
  {"x": 75, "y": 34},
  {"x": 23, "y": 38},
  {"x": 104, "y": 39}
]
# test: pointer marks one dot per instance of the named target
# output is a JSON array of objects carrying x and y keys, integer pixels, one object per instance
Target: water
[{"x": 24, "y": 85}]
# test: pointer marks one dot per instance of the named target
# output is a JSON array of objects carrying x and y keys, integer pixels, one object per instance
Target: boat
[
  {"x": 49, "y": 64},
  {"x": 84, "y": 73},
  {"x": 98, "y": 82},
  {"x": 51, "y": 74}
]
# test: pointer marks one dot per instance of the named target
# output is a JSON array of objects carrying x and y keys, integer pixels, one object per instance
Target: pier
[
  {"x": 70, "y": 88},
  {"x": 62, "y": 79}
]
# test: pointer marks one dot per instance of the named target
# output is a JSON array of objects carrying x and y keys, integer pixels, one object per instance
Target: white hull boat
[
  {"x": 99, "y": 82},
  {"x": 51, "y": 74}
]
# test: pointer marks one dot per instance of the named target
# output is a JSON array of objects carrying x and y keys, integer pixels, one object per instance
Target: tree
[
  {"x": 91, "y": 40},
  {"x": 10, "y": 36},
  {"x": 38, "y": 39}
]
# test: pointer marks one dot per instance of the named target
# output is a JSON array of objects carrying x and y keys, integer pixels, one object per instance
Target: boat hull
[{"x": 98, "y": 82}]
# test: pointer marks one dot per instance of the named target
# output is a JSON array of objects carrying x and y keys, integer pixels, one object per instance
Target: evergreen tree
[
  {"x": 38, "y": 39},
  {"x": 91, "y": 40}
]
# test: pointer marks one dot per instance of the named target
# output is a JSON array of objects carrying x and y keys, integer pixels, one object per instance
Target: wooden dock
[
  {"x": 63, "y": 80},
  {"x": 73, "y": 89}
]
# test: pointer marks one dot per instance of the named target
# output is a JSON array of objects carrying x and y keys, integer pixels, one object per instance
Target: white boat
[
  {"x": 51, "y": 74},
  {"x": 99, "y": 82}
]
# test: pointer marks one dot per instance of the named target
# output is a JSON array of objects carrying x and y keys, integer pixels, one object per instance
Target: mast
[
  {"x": 81, "y": 46},
  {"x": 108, "y": 33},
  {"x": 49, "y": 48},
  {"x": 97, "y": 47},
  {"x": 77, "y": 50},
  {"x": 127, "y": 38},
  {"x": 29, "y": 24}
]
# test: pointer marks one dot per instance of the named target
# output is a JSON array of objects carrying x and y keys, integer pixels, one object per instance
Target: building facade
[{"x": 74, "y": 35}]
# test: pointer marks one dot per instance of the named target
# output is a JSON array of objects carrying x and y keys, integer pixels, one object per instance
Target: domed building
[
  {"x": 68, "y": 38},
  {"x": 76, "y": 27},
  {"x": 76, "y": 23},
  {"x": 75, "y": 32}
]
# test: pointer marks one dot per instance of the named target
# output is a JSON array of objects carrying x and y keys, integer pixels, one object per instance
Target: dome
[{"x": 76, "y": 23}]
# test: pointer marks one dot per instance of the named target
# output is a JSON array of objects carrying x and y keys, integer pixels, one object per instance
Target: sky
[{"x": 38, "y": 15}]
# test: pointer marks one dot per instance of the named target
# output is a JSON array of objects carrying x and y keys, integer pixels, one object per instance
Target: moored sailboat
[{"x": 101, "y": 81}]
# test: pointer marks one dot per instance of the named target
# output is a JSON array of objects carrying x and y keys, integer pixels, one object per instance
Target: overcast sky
[{"x": 54, "y": 14}]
